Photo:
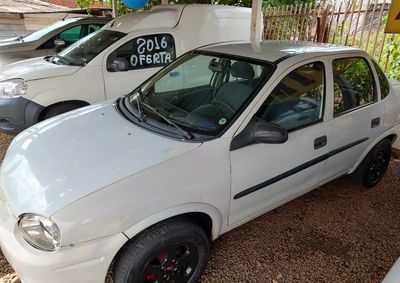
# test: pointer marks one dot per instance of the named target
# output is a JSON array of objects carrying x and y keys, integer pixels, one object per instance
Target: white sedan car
[{"x": 148, "y": 180}]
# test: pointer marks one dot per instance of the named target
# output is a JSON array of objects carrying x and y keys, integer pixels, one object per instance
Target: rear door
[{"x": 356, "y": 113}]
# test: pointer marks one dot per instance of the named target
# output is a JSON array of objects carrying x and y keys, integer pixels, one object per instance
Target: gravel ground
[{"x": 337, "y": 233}]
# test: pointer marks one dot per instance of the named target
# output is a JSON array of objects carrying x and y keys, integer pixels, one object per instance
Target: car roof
[
  {"x": 90, "y": 19},
  {"x": 170, "y": 16},
  {"x": 276, "y": 50}
]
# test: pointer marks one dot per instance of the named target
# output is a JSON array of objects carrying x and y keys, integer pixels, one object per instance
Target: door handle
[
  {"x": 320, "y": 142},
  {"x": 375, "y": 122}
]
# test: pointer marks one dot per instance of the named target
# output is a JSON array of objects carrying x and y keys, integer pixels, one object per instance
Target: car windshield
[
  {"x": 200, "y": 92},
  {"x": 81, "y": 52},
  {"x": 38, "y": 34}
]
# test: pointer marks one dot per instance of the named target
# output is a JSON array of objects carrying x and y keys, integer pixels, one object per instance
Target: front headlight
[
  {"x": 13, "y": 88},
  {"x": 40, "y": 232}
]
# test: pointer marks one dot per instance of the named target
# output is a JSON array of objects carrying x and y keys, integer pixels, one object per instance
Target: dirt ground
[{"x": 337, "y": 233}]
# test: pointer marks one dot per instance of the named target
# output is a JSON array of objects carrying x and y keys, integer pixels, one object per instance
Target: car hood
[
  {"x": 35, "y": 69},
  {"x": 15, "y": 45},
  {"x": 61, "y": 160},
  {"x": 9, "y": 41}
]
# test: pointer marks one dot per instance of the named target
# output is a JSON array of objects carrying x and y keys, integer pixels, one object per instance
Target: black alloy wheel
[
  {"x": 175, "y": 250},
  {"x": 175, "y": 263},
  {"x": 373, "y": 167}
]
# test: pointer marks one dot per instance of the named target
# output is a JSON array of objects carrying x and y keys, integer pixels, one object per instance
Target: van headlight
[
  {"x": 13, "y": 88},
  {"x": 40, "y": 232}
]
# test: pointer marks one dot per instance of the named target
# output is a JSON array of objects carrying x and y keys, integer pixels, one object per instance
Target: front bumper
[
  {"x": 83, "y": 263},
  {"x": 18, "y": 114}
]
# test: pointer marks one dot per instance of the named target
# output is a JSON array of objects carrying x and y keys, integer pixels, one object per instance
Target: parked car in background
[
  {"x": 44, "y": 42},
  {"x": 147, "y": 180},
  {"x": 109, "y": 63}
]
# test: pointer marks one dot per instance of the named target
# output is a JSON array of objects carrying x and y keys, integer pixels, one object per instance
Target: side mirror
[
  {"x": 260, "y": 132},
  {"x": 118, "y": 65},
  {"x": 59, "y": 45}
]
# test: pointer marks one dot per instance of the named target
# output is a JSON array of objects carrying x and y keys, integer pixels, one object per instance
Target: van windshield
[{"x": 83, "y": 51}]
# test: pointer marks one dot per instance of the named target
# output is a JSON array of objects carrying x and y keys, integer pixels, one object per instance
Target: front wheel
[
  {"x": 374, "y": 165},
  {"x": 175, "y": 250},
  {"x": 60, "y": 109}
]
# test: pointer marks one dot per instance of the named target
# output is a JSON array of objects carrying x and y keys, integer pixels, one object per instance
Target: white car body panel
[
  {"x": 99, "y": 176},
  {"x": 394, "y": 274},
  {"x": 35, "y": 69},
  {"x": 126, "y": 143}
]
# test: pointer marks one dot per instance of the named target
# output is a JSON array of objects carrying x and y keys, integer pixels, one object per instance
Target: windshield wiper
[
  {"x": 57, "y": 59},
  {"x": 185, "y": 133},
  {"x": 140, "y": 103}
]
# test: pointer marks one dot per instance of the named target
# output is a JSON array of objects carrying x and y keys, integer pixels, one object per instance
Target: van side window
[
  {"x": 297, "y": 101},
  {"x": 354, "y": 84},
  {"x": 148, "y": 51},
  {"x": 385, "y": 88}
]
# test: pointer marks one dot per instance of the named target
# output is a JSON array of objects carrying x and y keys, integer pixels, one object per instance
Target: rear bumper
[{"x": 18, "y": 114}]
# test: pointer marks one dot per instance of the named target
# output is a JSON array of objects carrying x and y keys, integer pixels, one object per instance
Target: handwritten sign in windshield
[{"x": 152, "y": 51}]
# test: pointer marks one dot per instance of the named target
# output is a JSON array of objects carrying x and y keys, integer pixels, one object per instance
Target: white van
[{"x": 113, "y": 61}]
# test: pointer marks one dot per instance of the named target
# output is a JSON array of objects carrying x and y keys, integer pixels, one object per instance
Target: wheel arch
[
  {"x": 390, "y": 135},
  {"x": 207, "y": 216},
  {"x": 79, "y": 103}
]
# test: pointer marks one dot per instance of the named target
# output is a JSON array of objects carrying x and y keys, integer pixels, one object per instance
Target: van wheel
[
  {"x": 59, "y": 109},
  {"x": 175, "y": 250},
  {"x": 373, "y": 167}
]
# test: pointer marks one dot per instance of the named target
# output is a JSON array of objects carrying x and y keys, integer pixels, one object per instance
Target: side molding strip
[{"x": 297, "y": 169}]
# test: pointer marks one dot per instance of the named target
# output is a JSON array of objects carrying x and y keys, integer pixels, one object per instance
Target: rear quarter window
[{"x": 383, "y": 82}]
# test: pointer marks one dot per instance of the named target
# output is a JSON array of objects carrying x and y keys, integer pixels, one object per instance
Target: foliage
[
  {"x": 274, "y": 3},
  {"x": 393, "y": 57}
]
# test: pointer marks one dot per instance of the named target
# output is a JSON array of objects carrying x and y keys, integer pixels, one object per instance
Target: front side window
[
  {"x": 297, "y": 101},
  {"x": 354, "y": 84},
  {"x": 203, "y": 104},
  {"x": 82, "y": 51},
  {"x": 148, "y": 51},
  {"x": 71, "y": 35},
  {"x": 383, "y": 82}
]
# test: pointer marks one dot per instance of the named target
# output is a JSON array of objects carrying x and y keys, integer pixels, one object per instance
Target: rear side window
[
  {"x": 148, "y": 51},
  {"x": 383, "y": 82},
  {"x": 297, "y": 101},
  {"x": 354, "y": 84}
]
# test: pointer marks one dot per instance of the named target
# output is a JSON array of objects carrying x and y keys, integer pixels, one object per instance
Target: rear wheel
[
  {"x": 374, "y": 165},
  {"x": 172, "y": 251}
]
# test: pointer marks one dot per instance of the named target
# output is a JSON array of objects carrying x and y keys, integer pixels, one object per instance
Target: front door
[
  {"x": 138, "y": 59},
  {"x": 267, "y": 175}
]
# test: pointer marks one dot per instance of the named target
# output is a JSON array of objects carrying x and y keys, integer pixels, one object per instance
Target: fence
[{"x": 358, "y": 23}]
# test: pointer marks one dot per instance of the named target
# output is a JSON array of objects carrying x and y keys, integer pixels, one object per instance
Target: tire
[
  {"x": 373, "y": 167},
  {"x": 175, "y": 250},
  {"x": 59, "y": 109}
]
